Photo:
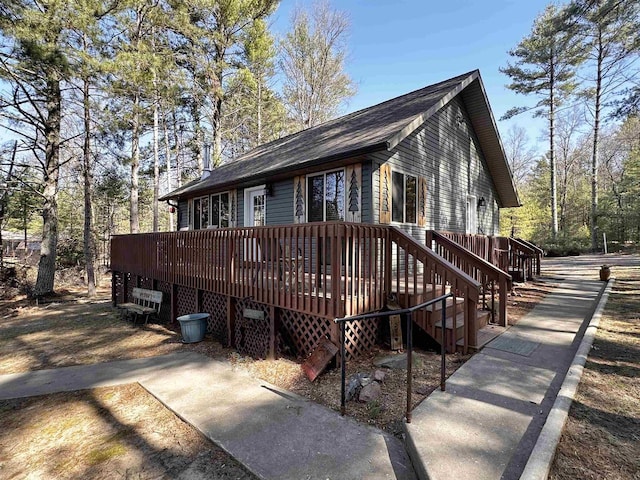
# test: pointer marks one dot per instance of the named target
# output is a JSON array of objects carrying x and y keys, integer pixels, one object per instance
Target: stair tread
[
  {"x": 449, "y": 322},
  {"x": 438, "y": 306}
]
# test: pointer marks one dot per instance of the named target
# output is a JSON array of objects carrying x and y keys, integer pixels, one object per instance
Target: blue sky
[{"x": 397, "y": 46}]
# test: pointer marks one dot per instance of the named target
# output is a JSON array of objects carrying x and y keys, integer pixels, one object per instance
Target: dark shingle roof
[{"x": 379, "y": 127}]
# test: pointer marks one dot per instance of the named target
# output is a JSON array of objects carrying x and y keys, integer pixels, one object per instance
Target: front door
[{"x": 255, "y": 212}]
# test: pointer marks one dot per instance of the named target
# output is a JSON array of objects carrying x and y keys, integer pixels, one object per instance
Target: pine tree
[
  {"x": 312, "y": 62},
  {"x": 34, "y": 63},
  {"x": 545, "y": 66}
]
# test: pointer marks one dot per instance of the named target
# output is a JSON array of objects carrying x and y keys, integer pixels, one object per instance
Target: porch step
[
  {"x": 485, "y": 335},
  {"x": 437, "y": 307},
  {"x": 459, "y": 319}
]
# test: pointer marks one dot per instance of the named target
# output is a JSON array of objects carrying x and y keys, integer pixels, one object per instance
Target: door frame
[{"x": 248, "y": 207}]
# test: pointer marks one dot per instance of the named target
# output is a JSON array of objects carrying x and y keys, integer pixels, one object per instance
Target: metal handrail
[{"x": 406, "y": 313}]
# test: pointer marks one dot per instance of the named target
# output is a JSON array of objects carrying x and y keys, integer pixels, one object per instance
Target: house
[
  {"x": 400, "y": 198},
  {"x": 430, "y": 159}
]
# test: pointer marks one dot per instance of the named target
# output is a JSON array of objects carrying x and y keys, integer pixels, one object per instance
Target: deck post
[
  {"x": 231, "y": 341},
  {"x": 174, "y": 302},
  {"x": 113, "y": 288},
  {"x": 271, "y": 355},
  {"x": 503, "y": 300}
]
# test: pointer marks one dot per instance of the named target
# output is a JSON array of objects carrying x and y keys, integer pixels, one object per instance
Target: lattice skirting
[
  {"x": 252, "y": 336},
  {"x": 118, "y": 284},
  {"x": 187, "y": 300},
  {"x": 216, "y": 306},
  {"x": 300, "y": 332},
  {"x": 361, "y": 337},
  {"x": 165, "y": 309},
  {"x": 131, "y": 282}
]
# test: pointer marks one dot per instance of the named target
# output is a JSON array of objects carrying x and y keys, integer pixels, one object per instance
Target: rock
[
  {"x": 379, "y": 375},
  {"x": 355, "y": 383},
  {"x": 422, "y": 390},
  {"x": 370, "y": 392},
  {"x": 396, "y": 362}
]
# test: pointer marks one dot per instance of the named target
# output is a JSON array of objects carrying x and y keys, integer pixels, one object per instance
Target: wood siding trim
[
  {"x": 299, "y": 199},
  {"x": 385, "y": 194},
  {"x": 353, "y": 204}
]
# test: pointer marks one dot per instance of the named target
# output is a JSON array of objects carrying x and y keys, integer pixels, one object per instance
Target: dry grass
[
  {"x": 115, "y": 432},
  {"x": 601, "y": 439}
]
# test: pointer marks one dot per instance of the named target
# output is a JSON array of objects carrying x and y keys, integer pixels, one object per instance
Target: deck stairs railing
[
  {"x": 492, "y": 279},
  {"x": 418, "y": 274}
]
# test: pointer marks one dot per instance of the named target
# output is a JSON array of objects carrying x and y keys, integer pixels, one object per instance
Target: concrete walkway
[
  {"x": 275, "y": 434},
  {"x": 487, "y": 422}
]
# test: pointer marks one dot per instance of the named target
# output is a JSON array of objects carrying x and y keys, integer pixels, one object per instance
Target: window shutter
[
  {"x": 385, "y": 193},
  {"x": 353, "y": 174},
  {"x": 233, "y": 208},
  {"x": 299, "y": 198},
  {"x": 422, "y": 201}
]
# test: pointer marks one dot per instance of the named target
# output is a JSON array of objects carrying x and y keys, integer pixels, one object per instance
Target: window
[
  {"x": 404, "y": 199},
  {"x": 200, "y": 213},
  {"x": 325, "y": 196},
  {"x": 211, "y": 211},
  {"x": 220, "y": 210}
]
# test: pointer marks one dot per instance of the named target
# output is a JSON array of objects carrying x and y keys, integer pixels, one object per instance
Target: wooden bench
[{"x": 145, "y": 302}]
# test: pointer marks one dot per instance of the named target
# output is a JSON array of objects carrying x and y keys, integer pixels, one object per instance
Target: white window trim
[
  {"x": 192, "y": 210},
  {"x": 404, "y": 196},
  {"x": 324, "y": 192},
  {"x": 471, "y": 211},
  {"x": 247, "y": 192},
  {"x": 217, "y": 194}
]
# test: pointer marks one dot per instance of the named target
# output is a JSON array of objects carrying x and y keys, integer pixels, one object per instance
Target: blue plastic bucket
[{"x": 193, "y": 327}]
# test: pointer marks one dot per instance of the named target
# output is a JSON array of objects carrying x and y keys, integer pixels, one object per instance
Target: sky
[{"x": 397, "y": 46}]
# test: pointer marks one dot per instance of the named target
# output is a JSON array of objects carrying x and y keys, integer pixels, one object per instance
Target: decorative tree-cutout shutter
[
  {"x": 233, "y": 208},
  {"x": 385, "y": 193},
  {"x": 353, "y": 174},
  {"x": 299, "y": 184},
  {"x": 422, "y": 201}
]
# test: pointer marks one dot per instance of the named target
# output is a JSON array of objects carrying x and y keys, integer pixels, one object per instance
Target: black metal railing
[{"x": 405, "y": 314}]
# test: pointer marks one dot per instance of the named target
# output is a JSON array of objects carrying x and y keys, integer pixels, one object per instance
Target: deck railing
[
  {"x": 494, "y": 250},
  {"x": 524, "y": 257},
  {"x": 329, "y": 269},
  {"x": 538, "y": 253},
  {"x": 488, "y": 275}
]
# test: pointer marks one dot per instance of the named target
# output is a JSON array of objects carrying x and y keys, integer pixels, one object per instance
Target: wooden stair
[{"x": 430, "y": 321}]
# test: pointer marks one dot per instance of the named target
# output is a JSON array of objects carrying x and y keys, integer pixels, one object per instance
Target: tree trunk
[
  {"x": 552, "y": 159},
  {"x": 217, "y": 132},
  {"x": 134, "y": 223},
  {"x": 594, "y": 159},
  {"x": 156, "y": 167},
  {"x": 167, "y": 150},
  {"x": 89, "y": 240},
  {"x": 47, "y": 264}
]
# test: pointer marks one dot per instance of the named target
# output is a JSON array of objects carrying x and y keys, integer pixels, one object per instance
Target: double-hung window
[
  {"x": 200, "y": 213},
  {"x": 404, "y": 200},
  {"x": 326, "y": 196},
  {"x": 220, "y": 210},
  {"x": 211, "y": 211}
]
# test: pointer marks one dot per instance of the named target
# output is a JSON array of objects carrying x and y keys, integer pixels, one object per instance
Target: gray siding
[
  {"x": 445, "y": 151},
  {"x": 183, "y": 214},
  {"x": 280, "y": 203},
  {"x": 240, "y": 208}
]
